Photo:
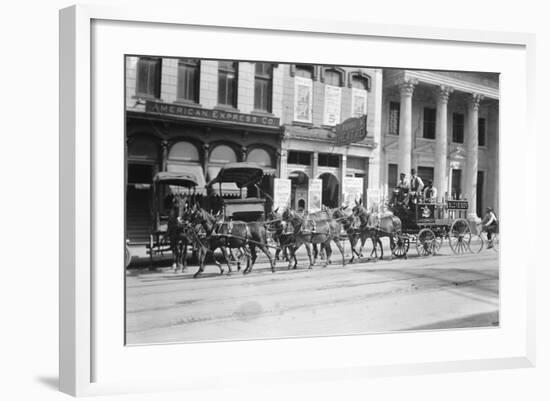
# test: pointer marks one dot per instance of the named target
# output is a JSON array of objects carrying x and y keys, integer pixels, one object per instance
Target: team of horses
[{"x": 239, "y": 241}]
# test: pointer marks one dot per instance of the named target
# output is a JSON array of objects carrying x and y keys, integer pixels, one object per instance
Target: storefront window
[
  {"x": 260, "y": 157},
  {"x": 184, "y": 151},
  {"x": 223, "y": 154}
]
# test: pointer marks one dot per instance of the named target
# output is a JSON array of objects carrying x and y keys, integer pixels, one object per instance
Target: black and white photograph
[{"x": 268, "y": 200}]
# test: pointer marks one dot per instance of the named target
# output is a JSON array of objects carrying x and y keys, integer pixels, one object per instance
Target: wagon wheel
[
  {"x": 400, "y": 245},
  {"x": 127, "y": 255},
  {"x": 460, "y": 236},
  {"x": 426, "y": 242}
]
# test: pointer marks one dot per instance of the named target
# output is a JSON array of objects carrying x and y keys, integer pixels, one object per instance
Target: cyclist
[{"x": 489, "y": 224}]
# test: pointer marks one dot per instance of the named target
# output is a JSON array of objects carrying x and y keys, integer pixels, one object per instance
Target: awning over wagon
[
  {"x": 227, "y": 188},
  {"x": 242, "y": 174},
  {"x": 180, "y": 176}
]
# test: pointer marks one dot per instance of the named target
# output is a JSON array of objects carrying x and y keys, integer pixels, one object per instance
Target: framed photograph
[{"x": 318, "y": 200}]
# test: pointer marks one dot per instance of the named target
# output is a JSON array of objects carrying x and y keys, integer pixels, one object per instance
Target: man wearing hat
[
  {"x": 430, "y": 192},
  {"x": 489, "y": 224},
  {"x": 416, "y": 185},
  {"x": 401, "y": 192}
]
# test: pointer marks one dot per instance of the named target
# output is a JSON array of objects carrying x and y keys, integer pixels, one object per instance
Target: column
[
  {"x": 164, "y": 153},
  {"x": 314, "y": 164},
  {"x": 405, "y": 126},
  {"x": 283, "y": 164},
  {"x": 244, "y": 152},
  {"x": 368, "y": 179},
  {"x": 343, "y": 170},
  {"x": 440, "y": 170},
  {"x": 205, "y": 154},
  {"x": 470, "y": 179}
]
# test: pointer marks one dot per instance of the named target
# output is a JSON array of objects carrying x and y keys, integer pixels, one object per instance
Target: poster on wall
[
  {"x": 303, "y": 99},
  {"x": 315, "y": 195},
  {"x": 358, "y": 102},
  {"x": 373, "y": 198},
  {"x": 353, "y": 190},
  {"x": 333, "y": 96},
  {"x": 281, "y": 194}
]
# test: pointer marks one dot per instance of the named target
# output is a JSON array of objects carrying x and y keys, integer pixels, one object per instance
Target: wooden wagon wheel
[
  {"x": 400, "y": 245},
  {"x": 426, "y": 242},
  {"x": 127, "y": 255},
  {"x": 460, "y": 236}
]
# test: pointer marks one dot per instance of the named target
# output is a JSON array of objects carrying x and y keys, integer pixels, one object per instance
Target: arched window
[
  {"x": 333, "y": 76},
  {"x": 222, "y": 154},
  {"x": 359, "y": 82},
  {"x": 261, "y": 157},
  {"x": 184, "y": 151},
  {"x": 304, "y": 71}
]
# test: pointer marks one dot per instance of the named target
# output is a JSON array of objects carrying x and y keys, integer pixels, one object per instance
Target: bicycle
[{"x": 480, "y": 241}]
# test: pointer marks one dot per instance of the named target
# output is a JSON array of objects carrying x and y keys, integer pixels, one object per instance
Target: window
[
  {"x": 456, "y": 187},
  {"x": 304, "y": 71},
  {"x": 148, "y": 77},
  {"x": 227, "y": 83},
  {"x": 223, "y": 154},
  {"x": 482, "y": 132},
  {"x": 425, "y": 174},
  {"x": 260, "y": 157},
  {"x": 303, "y": 98},
  {"x": 394, "y": 118},
  {"x": 263, "y": 87},
  {"x": 188, "y": 80},
  {"x": 458, "y": 128},
  {"x": 333, "y": 77},
  {"x": 299, "y": 158},
  {"x": 329, "y": 160},
  {"x": 392, "y": 176},
  {"x": 184, "y": 151},
  {"x": 429, "y": 123},
  {"x": 359, "y": 87}
]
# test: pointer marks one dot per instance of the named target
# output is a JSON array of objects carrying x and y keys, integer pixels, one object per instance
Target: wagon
[
  {"x": 166, "y": 184},
  {"x": 427, "y": 225},
  {"x": 243, "y": 175}
]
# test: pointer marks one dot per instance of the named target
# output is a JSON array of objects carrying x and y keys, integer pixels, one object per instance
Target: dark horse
[
  {"x": 177, "y": 234},
  {"x": 307, "y": 231},
  {"x": 376, "y": 226},
  {"x": 231, "y": 235}
]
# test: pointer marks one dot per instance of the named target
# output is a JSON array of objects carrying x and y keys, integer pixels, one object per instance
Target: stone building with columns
[
  {"x": 446, "y": 126},
  {"x": 315, "y": 99}
]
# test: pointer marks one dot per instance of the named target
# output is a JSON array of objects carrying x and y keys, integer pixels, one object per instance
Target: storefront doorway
[
  {"x": 331, "y": 190},
  {"x": 299, "y": 190}
]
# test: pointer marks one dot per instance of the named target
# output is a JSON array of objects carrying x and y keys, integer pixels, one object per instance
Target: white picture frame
[{"x": 85, "y": 332}]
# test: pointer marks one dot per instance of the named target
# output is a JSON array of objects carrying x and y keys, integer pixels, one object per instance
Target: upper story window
[
  {"x": 429, "y": 123},
  {"x": 263, "y": 87},
  {"x": 148, "y": 75},
  {"x": 329, "y": 160},
  {"x": 334, "y": 80},
  {"x": 303, "y": 93},
  {"x": 188, "y": 80},
  {"x": 227, "y": 83},
  {"x": 304, "y": 70},
  {"x": 295, "y": 157},
  {"x": 458, "y": 128},
  {"x": 393, "y": 123},
  {"x": 359, "y": 90},
  {"x": 482, "y": 132}
]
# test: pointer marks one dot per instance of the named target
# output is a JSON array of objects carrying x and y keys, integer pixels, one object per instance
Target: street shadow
[{"x": 488, "y": 319}]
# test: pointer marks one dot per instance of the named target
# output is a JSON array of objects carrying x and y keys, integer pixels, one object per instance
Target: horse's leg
[
  {"x": 226, "y": 252},
  {"x": 201, "y": 257},
  {"x": 184, "y": 256},
  {"x": 315, "y": 253},
  {"x": 254, "y": 257},
  {"x": 265, "y": 250},
  {"x": 308, "y": 249},
  {"x": 341, "y": 249},
  {"x": 379, "y": 242},
  {"x": 328, "y": 250}
]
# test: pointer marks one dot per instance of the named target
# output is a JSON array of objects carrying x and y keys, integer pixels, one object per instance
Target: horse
[
  {"x": 233, "y": 235},
  {"x": 374, "y": 226},
  {"x": 277, "y": 226},
  {"x": 350, "y": 224},
  {"x": 177, "y": 234},
  {"x": 307, "y": 231}
]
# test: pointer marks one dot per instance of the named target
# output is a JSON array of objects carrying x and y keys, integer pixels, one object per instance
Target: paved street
[{"x": 444, "y": 291}]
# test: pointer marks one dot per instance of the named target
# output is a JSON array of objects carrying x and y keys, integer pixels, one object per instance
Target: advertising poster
[
  {"x": 373, "y": 198},
  {"x": 333, "y": 96},
  {"x": 315, "y": 195},
  {"x": 353, "y": 190},
  {"x": 281, "y": 194}
]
